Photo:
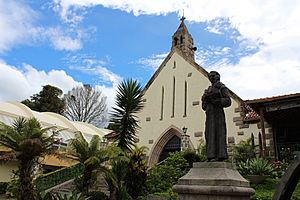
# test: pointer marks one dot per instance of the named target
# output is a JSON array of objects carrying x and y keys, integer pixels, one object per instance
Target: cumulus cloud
[
  {"x": 19, "y": 26},
  {"x": 152, "y": 62},
  {"x": 16, "y": 24},
  {"x": 253, "y": 77},
  {"x": 62, "y": 40},
  {"x": 105, "y": 80},
  {"x": 17, "y": 84},
  {"x": 269, "y": 25}
]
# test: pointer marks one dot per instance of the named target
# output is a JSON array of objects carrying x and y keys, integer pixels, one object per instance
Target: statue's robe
[{"x": 215, "y": 124}]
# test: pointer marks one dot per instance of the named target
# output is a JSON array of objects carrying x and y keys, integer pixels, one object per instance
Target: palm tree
[
  {"x": 129, "y": 101},
  {"x": 28, "y": 142},
  {"x": 91, "y": 155}
]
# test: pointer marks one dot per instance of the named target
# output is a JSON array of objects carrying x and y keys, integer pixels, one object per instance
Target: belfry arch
[{"x": 171, "y": 137}]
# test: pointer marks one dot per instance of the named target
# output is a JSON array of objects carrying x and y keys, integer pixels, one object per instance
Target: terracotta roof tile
[
  {"x": 250, "y": 114},
  {"x": 273, "y": 98}
]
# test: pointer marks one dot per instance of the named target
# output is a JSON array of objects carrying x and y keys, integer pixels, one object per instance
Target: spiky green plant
[
  {"x": 91, "y": 155},
  {"x": 260, "y": 166},
  {"x": 129, "y": 101},
  {"x": 28, "y": 142},
  {"x": 256, "y": 166}
]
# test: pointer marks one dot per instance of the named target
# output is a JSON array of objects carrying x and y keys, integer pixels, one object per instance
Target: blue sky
[{"x": 71, "y": 42}]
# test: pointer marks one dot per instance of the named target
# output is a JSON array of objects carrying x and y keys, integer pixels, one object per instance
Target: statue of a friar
[{"x": 214, "y": 99}]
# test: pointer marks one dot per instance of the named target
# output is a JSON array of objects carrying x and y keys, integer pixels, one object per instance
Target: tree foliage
[
  {"x": 91, "y": 155},
  {"x": 47, "y": 100},
  {"x": 86, "y": 104},
  {"x": 28, "y": 142},
  {"x": 161, "y": 178},
  {"x": 243, "y": 151},
  {"x": 129, "y": 101}
]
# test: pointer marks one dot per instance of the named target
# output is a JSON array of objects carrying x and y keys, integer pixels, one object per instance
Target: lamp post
[{"x": 184, "y": 139}]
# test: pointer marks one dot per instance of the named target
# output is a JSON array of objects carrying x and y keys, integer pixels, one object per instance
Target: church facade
[{"x": 173, "y": 112}]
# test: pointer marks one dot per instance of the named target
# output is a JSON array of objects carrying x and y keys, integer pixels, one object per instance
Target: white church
[{"x": 173, "y": 104}]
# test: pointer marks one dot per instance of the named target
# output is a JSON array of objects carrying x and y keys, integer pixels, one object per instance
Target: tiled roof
[
  {"x": 250, "y": 114},
  {"x": 274, "y": 98}
]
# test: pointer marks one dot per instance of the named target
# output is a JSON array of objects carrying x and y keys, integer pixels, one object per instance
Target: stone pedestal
[{"x": 213, "y": 181}]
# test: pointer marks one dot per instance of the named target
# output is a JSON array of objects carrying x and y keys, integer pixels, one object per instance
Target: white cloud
[
  {"x": 18, "y": 84},
  {"x": 271, "y": 25},
  {"x": 61, "y": 39},
  {"x": 253, "y": 77},
  {"x": 105, "y": 80},
  {"x": 272, "y": 70},
  {"x": 16, "y": 24},
  {"x": 19, "y": 26},
  {"x": 152, "y": 62},
  {"x": 213, "y": 56}
]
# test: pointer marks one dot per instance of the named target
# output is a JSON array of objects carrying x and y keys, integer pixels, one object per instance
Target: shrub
[
  {"x": 191, "y": 156},
  {"x": 12, "y": 188},
  {"x": 97, "y": 195},
  {"x": 201, "y": 150},
  {"x": 51, "y": 179},
  {"x": 136, "y": 175},
  {"x": 161, "y": 178},
  {"x": 3, "y": 186},
  {"x": 286, "y": 155},
  {"x": 244, "y": 150},
  {"x": 169, "y": 195},
  {"x": 279, "y": 168}
]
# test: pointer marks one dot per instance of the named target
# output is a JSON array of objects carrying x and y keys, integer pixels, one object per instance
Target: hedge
[{"x": 47, "y": 181}]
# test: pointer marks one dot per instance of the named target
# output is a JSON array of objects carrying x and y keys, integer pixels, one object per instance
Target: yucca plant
[
  {"x": 256, "y": 166},
  {"x": 129, "y": 101},
  {"x": 260, "y": 166},
  {"x": 72, "y": 196}
]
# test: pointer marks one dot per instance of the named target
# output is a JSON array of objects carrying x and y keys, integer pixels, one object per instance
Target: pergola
[{"x": 283, "y": 114}]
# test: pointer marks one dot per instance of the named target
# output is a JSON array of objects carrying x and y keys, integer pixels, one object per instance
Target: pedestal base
[{"x": 213, "y": 181}]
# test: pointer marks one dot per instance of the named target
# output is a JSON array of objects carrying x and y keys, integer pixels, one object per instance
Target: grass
[{"x": 266, "y": 190}]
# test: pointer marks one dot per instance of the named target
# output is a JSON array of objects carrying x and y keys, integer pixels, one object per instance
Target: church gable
[
  {"x": 173, "y": 99},
  {"x": 175, "y": 88}
]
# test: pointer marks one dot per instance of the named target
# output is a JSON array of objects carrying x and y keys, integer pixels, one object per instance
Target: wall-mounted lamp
[{"x": 184, "y": 129}]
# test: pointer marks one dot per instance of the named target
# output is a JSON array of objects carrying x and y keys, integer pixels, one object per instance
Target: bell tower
[{"x": 183, "y": 41}]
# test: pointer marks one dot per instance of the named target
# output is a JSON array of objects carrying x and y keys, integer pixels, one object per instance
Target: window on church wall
[
  {"x": 175, "y": 41},
  {"x": 181, "y": 39},
  {"x": 185, "y": 98},
  {"x": 173, "y": 97},
  {"x": 162, "y": 103},
  {"x": 174, "y": 66}
]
